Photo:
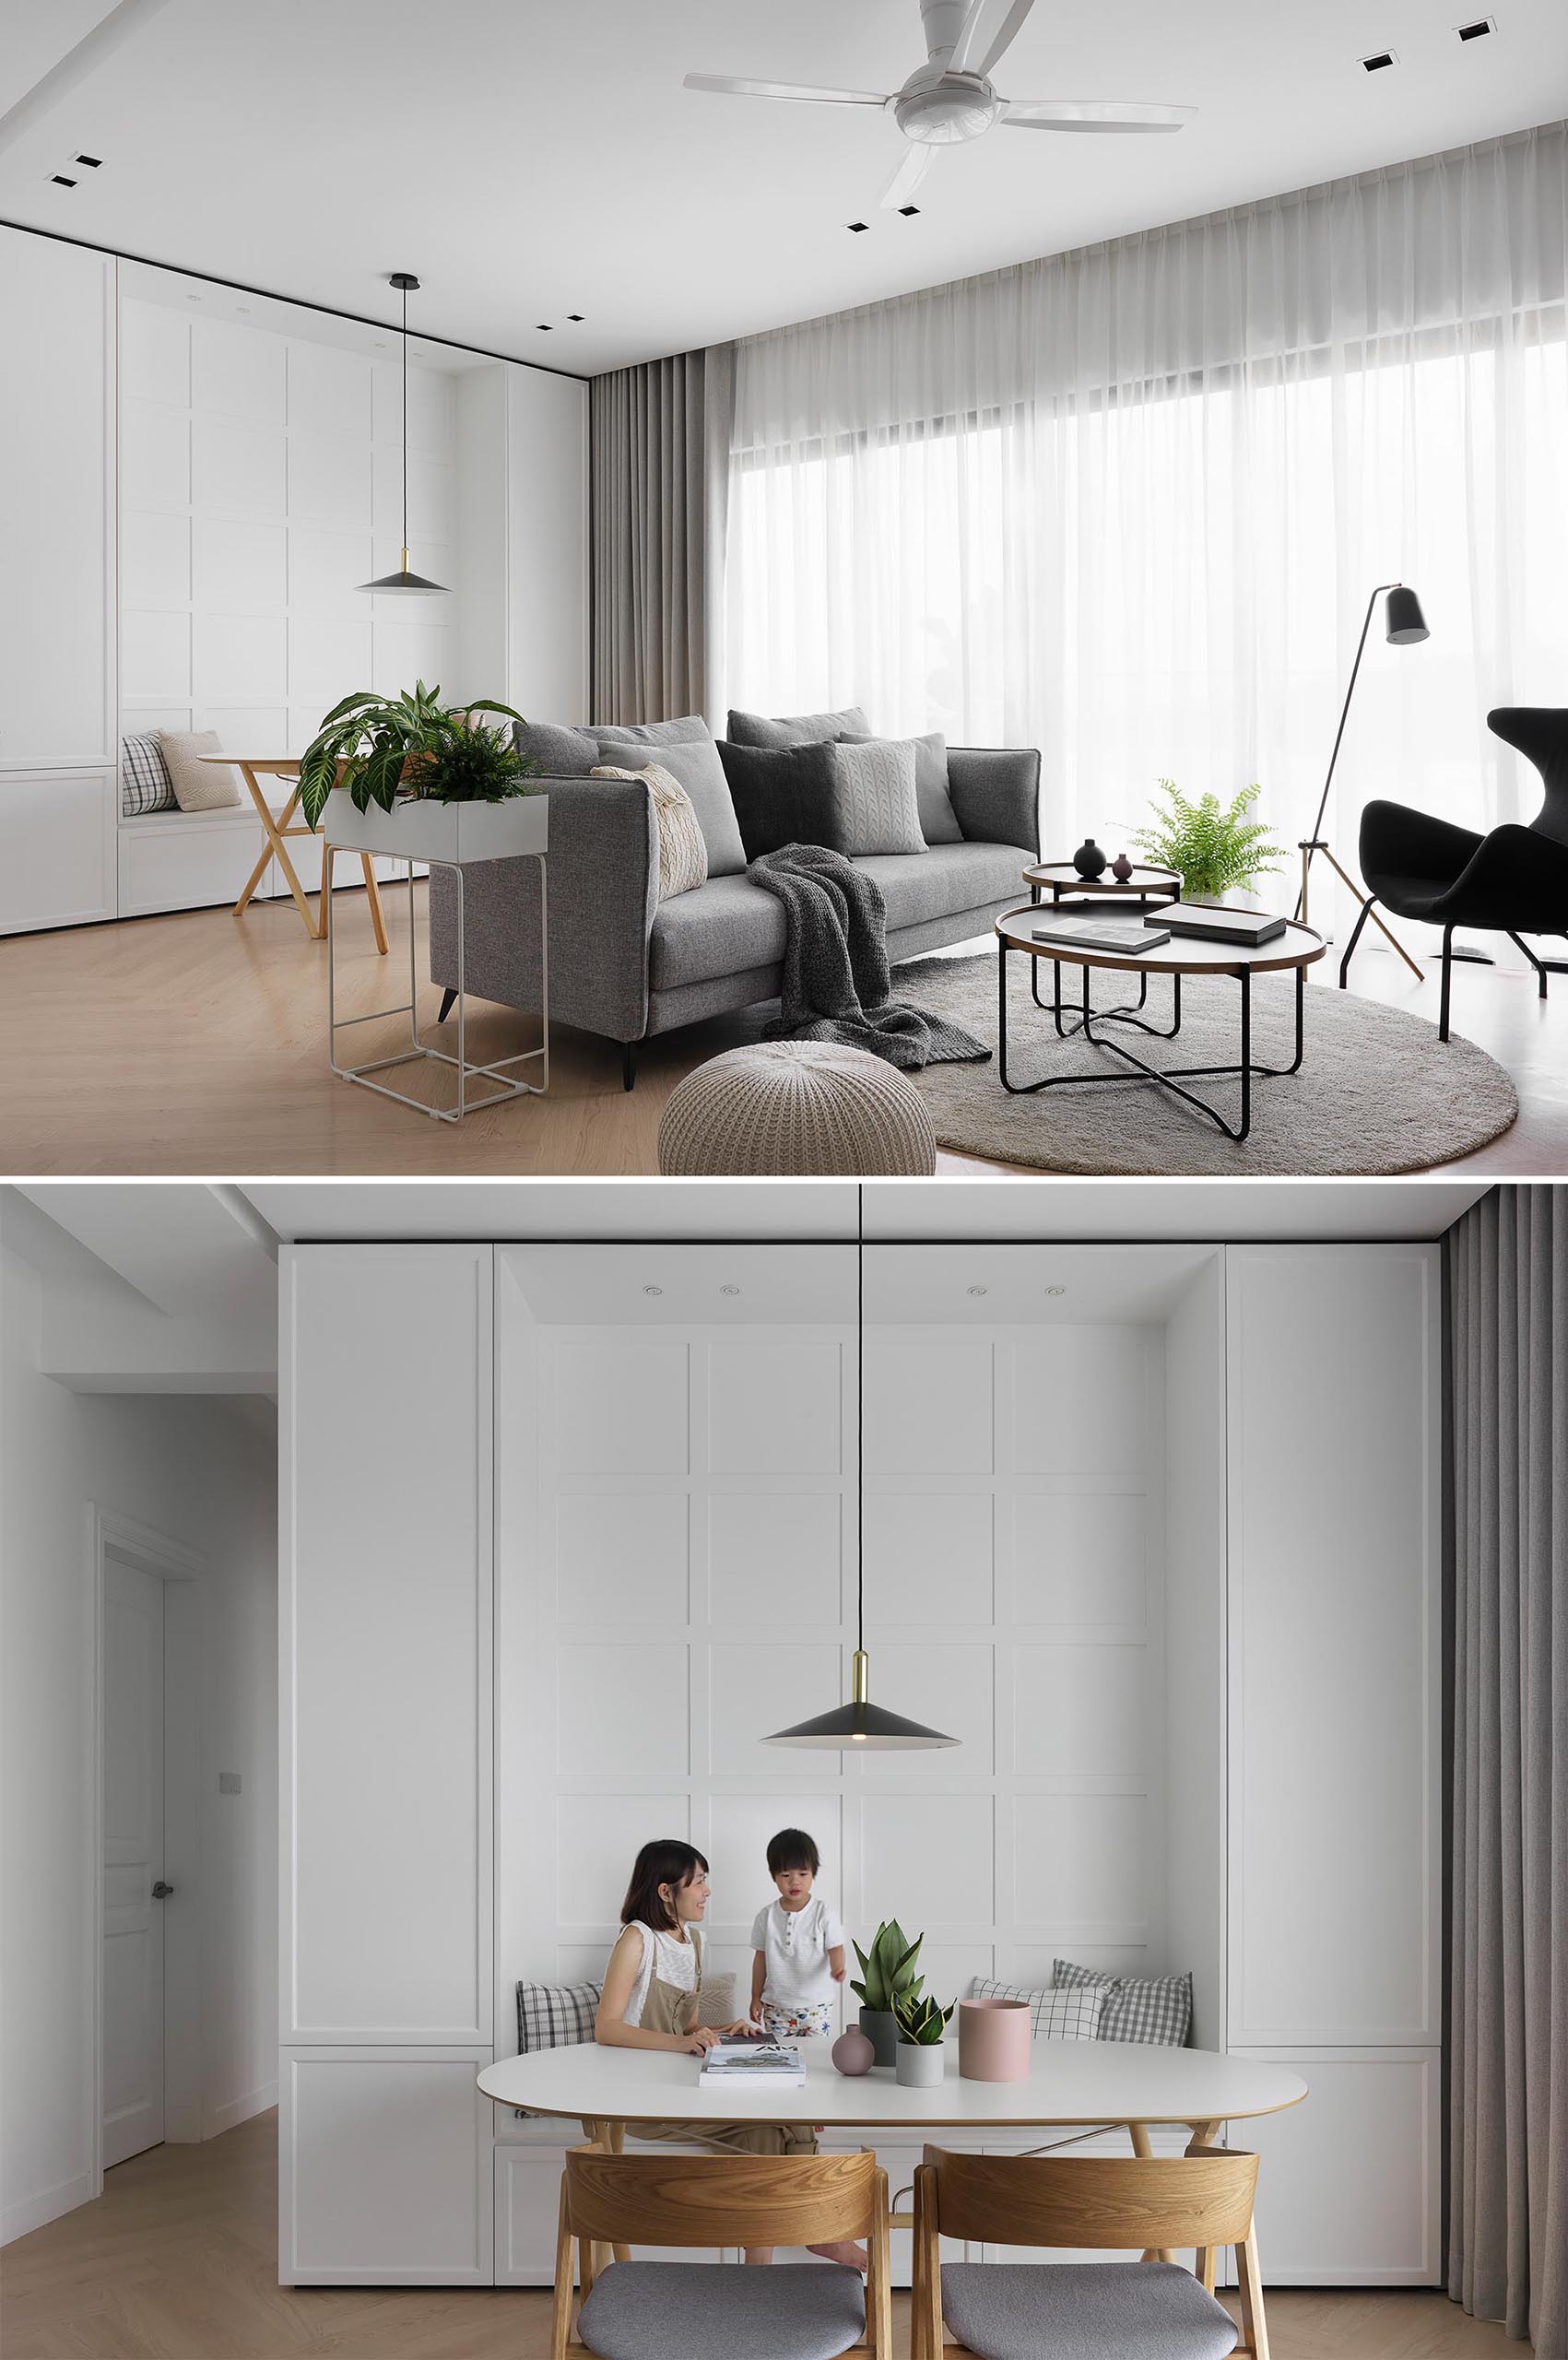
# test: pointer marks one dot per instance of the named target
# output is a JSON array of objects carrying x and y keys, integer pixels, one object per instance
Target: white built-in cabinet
[{"x": 1172, "y": 1578}]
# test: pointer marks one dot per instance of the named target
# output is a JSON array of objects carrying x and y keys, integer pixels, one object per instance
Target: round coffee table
[{"x": 1298, "y": 947}]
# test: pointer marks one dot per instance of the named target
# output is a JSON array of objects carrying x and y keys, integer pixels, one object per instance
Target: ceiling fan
[{"x": 950, "y": 97}]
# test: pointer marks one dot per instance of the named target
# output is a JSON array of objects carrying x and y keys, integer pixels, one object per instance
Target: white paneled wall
[
  {"x": 260, "y": 481},
  {"x": 676, "y": 1564}
]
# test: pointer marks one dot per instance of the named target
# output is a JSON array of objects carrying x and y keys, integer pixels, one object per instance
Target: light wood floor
[
  {"x": 177, "y": 2260},
  {"x": 197, "y": 1043}
]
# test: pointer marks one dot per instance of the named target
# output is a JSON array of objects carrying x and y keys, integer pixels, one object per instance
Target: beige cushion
[
  {"x": 683, "y": 851},
  {"x": 715, "y": 2001},
  {"x": 198, "y": 785}
]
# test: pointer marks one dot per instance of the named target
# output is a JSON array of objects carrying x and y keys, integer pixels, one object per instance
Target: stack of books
[
  {"x": 1101, "y": 933},
  {"x": 1205, "y": 922},
  {"x": 752, "y": 2064}
]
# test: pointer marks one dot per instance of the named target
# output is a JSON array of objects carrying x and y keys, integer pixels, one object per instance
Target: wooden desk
[{"x": 252, "y": 769}]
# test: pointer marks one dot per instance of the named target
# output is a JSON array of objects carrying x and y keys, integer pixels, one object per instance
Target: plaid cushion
[
  {"x": 1053, "y": 2015},
  {"x": 145, "y": 783},
  {"x": 1155, "y": 2007},
  {"x": 555, "y": 2015}
]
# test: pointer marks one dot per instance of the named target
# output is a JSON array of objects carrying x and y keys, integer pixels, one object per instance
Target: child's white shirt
[{"x": 794, "y": 1943}]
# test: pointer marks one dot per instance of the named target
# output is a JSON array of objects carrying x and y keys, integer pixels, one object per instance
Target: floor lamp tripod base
[{"x": 1317, "y": 843}]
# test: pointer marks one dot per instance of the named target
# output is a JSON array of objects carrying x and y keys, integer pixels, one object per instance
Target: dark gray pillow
[
  {"x": 796, "y": 729},
  {"x": 878, "y": 812},
  {"x": 650, "y": 733},
  {"x": 559, "y": 751},
  {"x": 783, "y": 795},
  {"x": 697, "y": 766},
  {"x": 938, "y": 821}
]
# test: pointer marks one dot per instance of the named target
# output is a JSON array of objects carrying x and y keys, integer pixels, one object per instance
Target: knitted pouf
[{"x": 797, "y": 1107}]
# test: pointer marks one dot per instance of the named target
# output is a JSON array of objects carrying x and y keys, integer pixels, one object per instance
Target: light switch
[{"x": 229, "y": 1782}]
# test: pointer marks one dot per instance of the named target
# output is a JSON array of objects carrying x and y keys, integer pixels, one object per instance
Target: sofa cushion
[
  {"x": 559, "y": 751},
  {"x": 727, "y": 927},
  {"x": 683, "y": 732},
  {"x": 785, "y": 795},
  {"x": 796, "y": 729},
  {"x": 947, "y": 879},
  {"x": 938, "y": 821},
  {"x": 877, "y": 811},
  {"x": 695, "y": 764}
]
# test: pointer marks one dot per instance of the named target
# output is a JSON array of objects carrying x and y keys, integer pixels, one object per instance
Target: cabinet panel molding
[
  {"x": 1348, "y": 2182},
  {"x": 385, "y": 2167}
]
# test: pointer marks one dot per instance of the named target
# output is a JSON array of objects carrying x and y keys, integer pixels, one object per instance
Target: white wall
[{"x": 193, "y": 1471}]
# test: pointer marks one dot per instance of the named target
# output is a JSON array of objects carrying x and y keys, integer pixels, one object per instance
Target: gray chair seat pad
[
  {"x": 1139, "y": 2310},
  {"x": 700, "y": 2310},
  {"x": 946, "y": 880},
  {"x": 729, "y": 926}
]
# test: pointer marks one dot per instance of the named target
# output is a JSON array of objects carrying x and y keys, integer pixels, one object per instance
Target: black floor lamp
[{"x": 1406, "y": 625}]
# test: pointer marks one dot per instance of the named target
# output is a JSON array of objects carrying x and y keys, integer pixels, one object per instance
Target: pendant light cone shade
[
  {"x": 860, "y": 1724},
  {"x": 404, "y": 580},
  {"x": 1405, "y": 621}
]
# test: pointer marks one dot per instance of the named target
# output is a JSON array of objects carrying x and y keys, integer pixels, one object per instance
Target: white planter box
[{"x": 423, "y": 829}]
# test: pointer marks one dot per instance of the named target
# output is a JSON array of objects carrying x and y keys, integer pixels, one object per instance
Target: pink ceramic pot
[{"x": 994, "y": 2040}]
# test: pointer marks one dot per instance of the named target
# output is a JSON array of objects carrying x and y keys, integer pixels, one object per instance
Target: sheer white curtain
[{"x": 1127, "y": 504}]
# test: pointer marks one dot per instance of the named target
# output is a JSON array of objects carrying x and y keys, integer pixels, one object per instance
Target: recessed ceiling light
[
  {"x": 544, "y": 327},
  {"x": 92, "y": 162},
  {"x": 1379, "y": 59},
  {"x": 1477, "y": 30},
  {"x": 1052, "y": 1290},
  {"x": 907, "y": 210},
  {"x": 61, "y": 180},
  {"x": 729, "y": 1290},
  {"x": 243, "y": 310},
  {"x": 858, "y": 226},
  {"x": 574, "y": 315},
  {"x": 976, "y": 1290},
  {"x": 652, "y": 1290}
]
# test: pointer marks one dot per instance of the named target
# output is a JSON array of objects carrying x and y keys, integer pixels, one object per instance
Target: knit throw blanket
[{"x": 836, "y": 981}]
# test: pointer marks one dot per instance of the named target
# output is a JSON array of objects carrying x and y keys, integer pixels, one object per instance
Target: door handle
[{"x": 161, "y": 1891}]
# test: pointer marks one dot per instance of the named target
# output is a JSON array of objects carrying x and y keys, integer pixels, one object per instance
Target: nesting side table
[{"x": 452, "y": 836}]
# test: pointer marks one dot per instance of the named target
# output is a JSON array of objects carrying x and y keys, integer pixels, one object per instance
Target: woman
[{"x": 651, "y": 1991}]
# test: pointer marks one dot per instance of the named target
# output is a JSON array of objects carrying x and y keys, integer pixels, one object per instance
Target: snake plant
[
  {"x": 920, "y": 2022},
  {"x": 888, "y": 1969},
  {"x": 380, "y": 747}
]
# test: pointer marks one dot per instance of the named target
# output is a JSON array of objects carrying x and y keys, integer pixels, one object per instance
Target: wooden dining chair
[
  {"x": 1123, "y": 2310},
  {"x": 675, "y": 2310}
]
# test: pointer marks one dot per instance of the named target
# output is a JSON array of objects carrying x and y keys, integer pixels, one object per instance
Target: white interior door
[{"x": 132, "y": 1861}]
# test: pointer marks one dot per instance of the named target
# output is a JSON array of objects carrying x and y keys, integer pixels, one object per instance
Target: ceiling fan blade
[
  {"x": 1091, "y": 114},
  {"x": 961, "y": 56},
  {"x": 736, "y": 86},
  {"x": 906, "y": 179},
  {"x": 1006, "y": 34}
]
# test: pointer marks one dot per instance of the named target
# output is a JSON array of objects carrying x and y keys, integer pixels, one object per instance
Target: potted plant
[
  {"x": 920, "y": 2024},
  {"x": 889, "y": 1975},
  {"x": 410, "y": 776},
  {"x": 1214, "y": 848}
]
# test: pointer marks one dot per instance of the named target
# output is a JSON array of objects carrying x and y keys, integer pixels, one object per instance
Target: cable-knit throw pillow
[
  {"x": 683, "y": 852},
  {"x": 879, "y": 809},
  {"x": 1138, "y": 2006},
  {"x": 198, "y": 785},
  {"x": 715, "y": 2001},
  {"x": 1053, "y": 2015}
]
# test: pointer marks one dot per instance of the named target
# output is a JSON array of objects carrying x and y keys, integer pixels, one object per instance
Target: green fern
[{"x": 1210, "y": 846}]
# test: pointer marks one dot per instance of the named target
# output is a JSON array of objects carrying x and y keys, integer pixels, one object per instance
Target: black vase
[{"x": 1089, "y": 860}]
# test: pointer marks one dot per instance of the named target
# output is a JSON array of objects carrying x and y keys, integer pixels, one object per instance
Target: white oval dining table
[{"x": 1076, "y": 2082}]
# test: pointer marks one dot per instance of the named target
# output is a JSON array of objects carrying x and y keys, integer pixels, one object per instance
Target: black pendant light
[
  {"x": 403, "y": 580},
  {"x": 848, "y": 1728}
]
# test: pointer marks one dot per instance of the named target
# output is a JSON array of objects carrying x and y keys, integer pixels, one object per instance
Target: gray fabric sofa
[{"x": 624, "y": 965}]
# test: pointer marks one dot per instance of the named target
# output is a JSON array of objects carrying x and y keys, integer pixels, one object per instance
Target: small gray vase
[
  {"x": 880, "y": 2028},
  {"x": 920, "y": 2065}
]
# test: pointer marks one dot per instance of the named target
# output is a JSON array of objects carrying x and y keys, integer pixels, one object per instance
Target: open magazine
[{"x": 772, "y": 2062}]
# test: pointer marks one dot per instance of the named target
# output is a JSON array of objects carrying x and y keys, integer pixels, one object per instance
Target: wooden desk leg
[
  {"x": 372, "y": 894},
  {"x": 275, "y": 849},
  {"x": 1204, "y": 2134},
  {"x": 1138, "y": 2133}
]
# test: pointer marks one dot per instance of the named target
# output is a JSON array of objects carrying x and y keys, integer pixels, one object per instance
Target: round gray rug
[{"x": 1377, "y": 1091}]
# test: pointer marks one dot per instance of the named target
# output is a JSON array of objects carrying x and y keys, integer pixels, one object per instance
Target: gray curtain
[
  {"x": 659, "y": 468},
  {"x": 1508, "y": 2063}
]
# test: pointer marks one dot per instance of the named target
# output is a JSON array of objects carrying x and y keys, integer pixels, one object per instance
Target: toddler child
[{"x": 798, "y": 1943}]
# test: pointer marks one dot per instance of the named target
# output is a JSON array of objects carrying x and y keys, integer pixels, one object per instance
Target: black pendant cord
[
  {"x": 860, "y": 1420},
  {"x": 406, "y": 429}
]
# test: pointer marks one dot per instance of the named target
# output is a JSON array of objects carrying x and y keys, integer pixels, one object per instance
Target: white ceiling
[{"x": 528, "y": 161}]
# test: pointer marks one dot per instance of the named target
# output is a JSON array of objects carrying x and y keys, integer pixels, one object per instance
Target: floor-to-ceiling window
[{"x": 1128, "y": 504}]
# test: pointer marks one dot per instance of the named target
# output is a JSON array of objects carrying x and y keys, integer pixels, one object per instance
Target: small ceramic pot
[
  {"x": 852, "y": 2054},
  {"x": 920, "y": 2065},
  {"x": 994, "y": 2040},
  {"x": 1121, "y": 869},
  {"x": 881, "y": 2030},
  {"x": 1089, "y": 860}
]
